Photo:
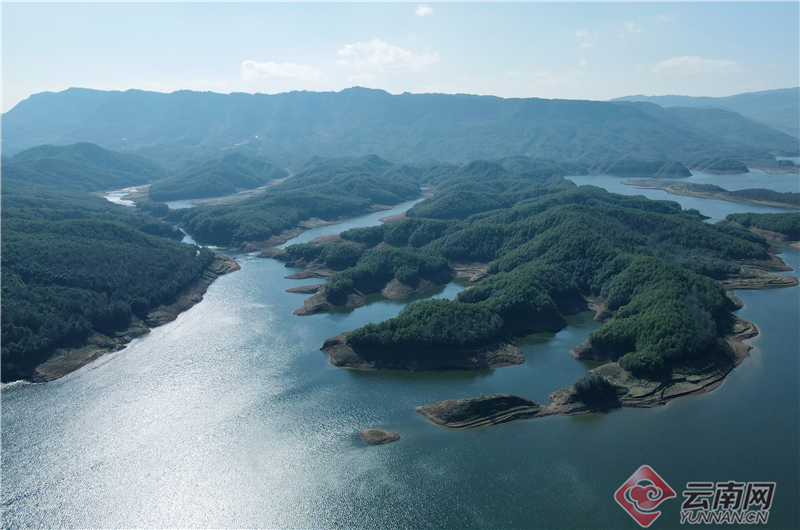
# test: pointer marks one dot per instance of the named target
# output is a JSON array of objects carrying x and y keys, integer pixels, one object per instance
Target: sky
[{"x": 552, "y": 50}]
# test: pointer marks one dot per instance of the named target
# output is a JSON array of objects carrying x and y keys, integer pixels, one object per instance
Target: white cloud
[
  {"x": 583, "y": 61},
  {"x": 424, "y": 10},
  {"x": 696, "y": 65},
  {"x": 382, "y": 56},
  {"x": 465, "y": 77},
  {"x": 512, "y": 74},
  {"x": 630, "y": 28},
  {"x": 586, "y": 36},
  {"x": 343, "y": 62},
  {"x": 663, "y": 19},
  {"x": 254, "y": 70}
]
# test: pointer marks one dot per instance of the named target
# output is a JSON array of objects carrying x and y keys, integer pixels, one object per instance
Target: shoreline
[
  {"x": 67, "y": 360},
  {"x": 631, "y": 391},
  {"x": 704, "y": 375},
  {"x": 491, "y": 357},
  {"x": 685, "y": 189},
  {"x": 267, "y": 245}
]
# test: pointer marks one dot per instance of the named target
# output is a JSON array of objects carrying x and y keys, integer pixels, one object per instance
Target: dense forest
[
  {"x": 635, "y": 167},
  {"x": 325, "y": 189},
  {"x": 547, "y": 244},
  {"x": 81, "y": 166},
  {"x": 216, "y": 178},
  {"x": 74, "y": 264},
  {"x": 787, "y": 224},
  {"x": 719, "y": 165}
]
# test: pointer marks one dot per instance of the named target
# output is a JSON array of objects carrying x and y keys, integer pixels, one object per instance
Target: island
[
  {"x": 656, "y": 275},
  {"x": 378, "y": 436},
  {"x": 757, "y": 196},
  {"x": 345, "y": 354},
  {"x": 607, "y": 387},
  {"x": 481, "y": 411}
]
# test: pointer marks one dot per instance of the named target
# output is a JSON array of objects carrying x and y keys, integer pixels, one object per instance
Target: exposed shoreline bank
[
  {"x": 499, "y": 355},
  {"x": 630, "y": 391},
  {"x": 67, "y": 360}
]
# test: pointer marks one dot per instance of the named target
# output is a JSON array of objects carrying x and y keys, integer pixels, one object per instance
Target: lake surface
[
  {"x": 230, "y": 416},
  {"x": 717, "y": 210},
  {"x": 118, "y": 197}
]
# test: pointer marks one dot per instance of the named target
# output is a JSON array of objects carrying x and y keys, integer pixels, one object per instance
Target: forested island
[{"x": 651, "y": 270}]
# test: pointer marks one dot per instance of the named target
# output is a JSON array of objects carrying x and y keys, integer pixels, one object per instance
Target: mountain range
[
  {"x": 778, "y": 109},
  {"x": 414, "y": 128}
]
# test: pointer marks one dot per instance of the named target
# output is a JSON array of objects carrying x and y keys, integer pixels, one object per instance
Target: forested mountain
[
  {"x": 726, "y": 124},
  {"x": 326, "y": 189},
  {"x": 778, "y": 109},
  {"x": 80, "y": 166},
  {"x": 216, "y": 178},
  {"x": 74, "y": 264},
  {"x": 356, "y": 122}
]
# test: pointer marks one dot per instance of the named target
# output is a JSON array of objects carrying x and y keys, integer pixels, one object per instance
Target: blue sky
[{"x": 551, "y": 50}]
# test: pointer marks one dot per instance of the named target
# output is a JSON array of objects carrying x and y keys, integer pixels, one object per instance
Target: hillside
[
  {"x": 545, "y": 243},
  {"x": 81, "y": 166},
  {"x": 327, "y": 189},
  {"x": 80, "y": 272},
  {"x": 355, "y": 122},
  {"x": 778, "y": 109},
  {"x": 728, "y": 125},
  {"x": 216, "y": 178}
]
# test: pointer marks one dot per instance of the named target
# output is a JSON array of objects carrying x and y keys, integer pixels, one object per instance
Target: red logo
[{"x": 642, "y": 493}]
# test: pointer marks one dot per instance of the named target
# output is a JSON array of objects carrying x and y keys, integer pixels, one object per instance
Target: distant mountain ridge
[
  {"x": 413, "y": 128},
  {"x": 778, "y": 109}
]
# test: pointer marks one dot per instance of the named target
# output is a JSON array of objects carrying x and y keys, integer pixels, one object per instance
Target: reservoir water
[{"x": 230, "y": 416}]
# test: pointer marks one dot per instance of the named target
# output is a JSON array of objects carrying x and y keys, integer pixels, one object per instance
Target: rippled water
[{"x": 230, "y": 416}]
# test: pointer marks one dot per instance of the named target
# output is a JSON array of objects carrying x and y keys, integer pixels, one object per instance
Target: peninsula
[{"x": 757, "y": 196}]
